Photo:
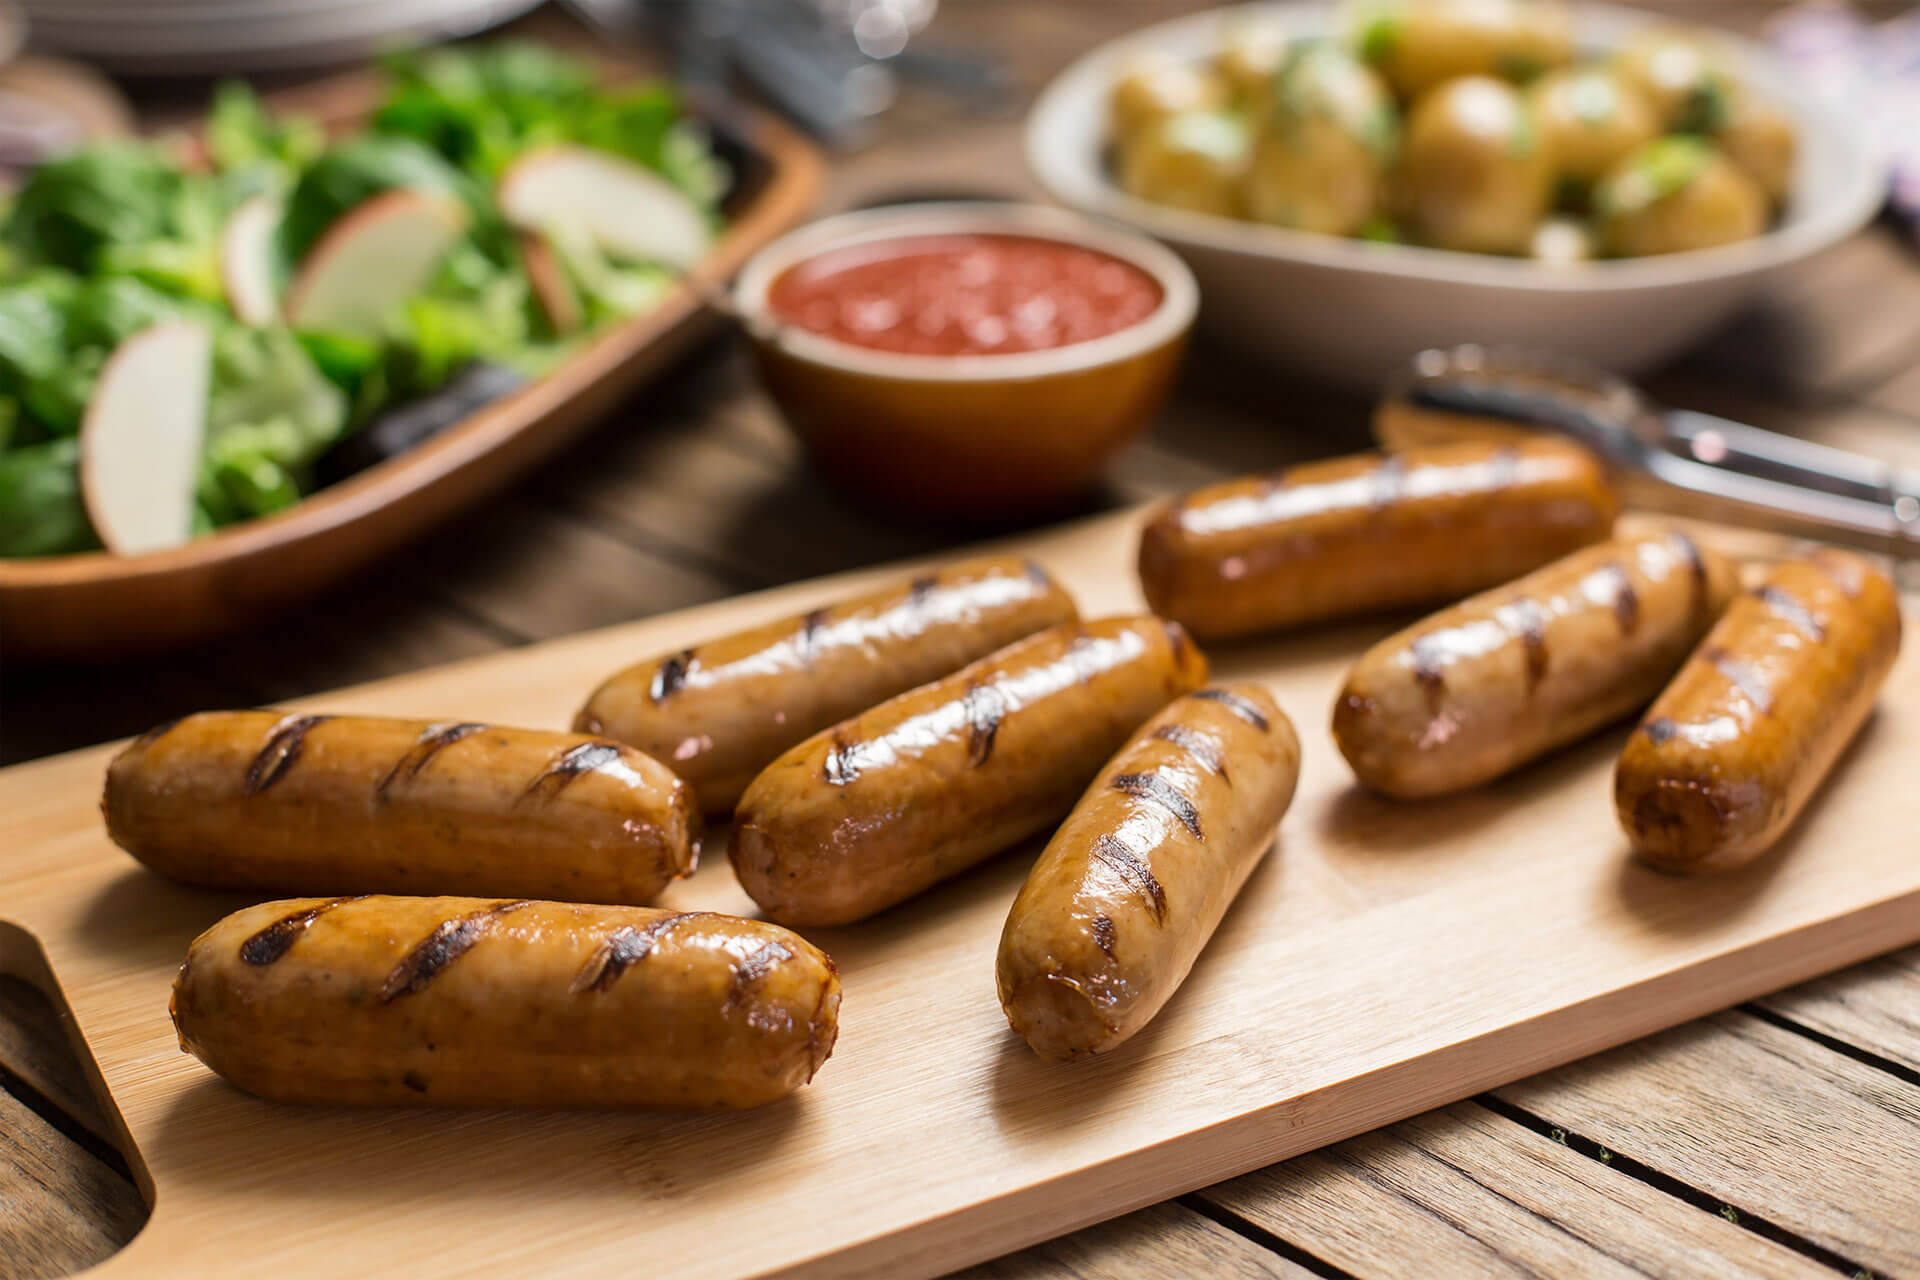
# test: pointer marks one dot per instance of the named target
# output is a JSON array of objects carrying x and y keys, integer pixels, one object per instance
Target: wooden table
[{"x": 1779, "y": 1138}]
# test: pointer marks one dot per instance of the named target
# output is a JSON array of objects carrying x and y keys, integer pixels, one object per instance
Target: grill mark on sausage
[
  {"x": 842, "y": 764},
  {"x": 446, "y": 944},
  {"x": 1236, "y": 704},
  {"x": 1743, "y": 677},
  {"x": 751, "y": 971},
  {"x": 920, "y": 589},
  {"x": 279, "y": 753},
  {"x": 1103, "y": 934},
  {"x": 1620, "y": 593},
  {"x": 810, "y": 628},
  {"x": 1785, "y": 605},
  {"x": 581, "y": 758},
  {"x": 1197, "y": 745},
  {"x": 1525, "y": 618},
  {"x": 1114, "y": 854},
  {"x": 1178, "y": 640},
  {"x": 1696, "y": 566},
  {"x": 620, "y": 950},
  {"x": 670, "y": 675},
  {"x": 274, "y": 941},
  {"x": 985, "y": 707},
  {"x": 156, "y": 733},
  {"x": 1388, "y": 482},
  {"x": 434, "y": 739},
  {"x": 1659, "y": 729},
  {"x": 1429, "y": 670},
  {"x": 1154, "y": 789}
]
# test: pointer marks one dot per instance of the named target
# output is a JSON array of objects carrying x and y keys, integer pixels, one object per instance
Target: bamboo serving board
[{"x": 1385, "y": 959}]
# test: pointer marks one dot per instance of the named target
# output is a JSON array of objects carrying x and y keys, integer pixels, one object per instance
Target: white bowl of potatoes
[{"x": 1354, "y": 185}]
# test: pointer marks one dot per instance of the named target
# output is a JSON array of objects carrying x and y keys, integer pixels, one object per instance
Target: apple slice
[
  {"x": 141, "y": 437},
  {"x": 632, "y": 213},
  {"x": 374, "y": 257},
  {"x": 246, "y": 260},
  {"x": 552, "y": 287}
]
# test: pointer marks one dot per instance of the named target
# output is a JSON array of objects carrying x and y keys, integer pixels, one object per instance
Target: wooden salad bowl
[{"x": 96, "y": 604}]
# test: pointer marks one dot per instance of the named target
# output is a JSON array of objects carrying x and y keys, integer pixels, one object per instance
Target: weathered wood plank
[
  {"x": 35, "y": 1048},
  {"x": 1164, "y": 1240},
  {"x": 61, "y": 1210},
  {"x": 1873, "y": 1006},
  {"x": 1463, "y": 1191},
  {"x": 1767, "y": 1121}
]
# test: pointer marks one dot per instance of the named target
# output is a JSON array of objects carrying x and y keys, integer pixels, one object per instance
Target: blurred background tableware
[
  {"x": 1350, "y": 311},
  {"x": 966, "y": 435},
  {"x": 230, "y": 37}
]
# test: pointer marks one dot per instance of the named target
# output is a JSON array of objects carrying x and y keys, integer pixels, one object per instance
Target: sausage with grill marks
[
  {"x": 1730, "y": 753},
  {"x": 722, "y": 711},
  {"x": 1497, "y": 680},
  {"x": 1130, "y": 888},
  {"x": 1369, "y": 532},
  {"x": 924, "y": 786},
  {"x": 500, "y": 1002},
  {"x": 365, "y": 804}
]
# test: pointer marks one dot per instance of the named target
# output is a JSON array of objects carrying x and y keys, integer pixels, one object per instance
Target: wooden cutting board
[{"x": 1385, "y": 959}]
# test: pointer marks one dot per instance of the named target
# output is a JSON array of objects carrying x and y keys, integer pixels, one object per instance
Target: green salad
[{"x": 498, "y": 206}]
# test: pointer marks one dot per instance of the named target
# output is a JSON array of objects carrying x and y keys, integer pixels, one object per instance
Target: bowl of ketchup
[{"x": 966, "y": 361}]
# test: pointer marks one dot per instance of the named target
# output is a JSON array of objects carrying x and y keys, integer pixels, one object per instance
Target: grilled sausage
[
  {"x": 1130, "y": 888},
  {"x": 364, "y": 804},
  {"x": 1494, "y": 681},
  {"x": 488, "y": 1002},
  {"x": 1369, "y": 532},
  {"x": 1729, "y": 754},
  {"x": 920, "y": 788},
  {"x": 721, "y": 712}
]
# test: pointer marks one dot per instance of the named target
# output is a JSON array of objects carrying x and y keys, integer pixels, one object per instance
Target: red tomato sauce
[{"x": 954, "y": 295}]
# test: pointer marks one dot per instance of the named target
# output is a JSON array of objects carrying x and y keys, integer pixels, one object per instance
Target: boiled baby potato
[
  {"x": 1195, "y": 161},
  {"x": 1759, "y": 138},
  {"x": 1473, "y": 174},
  {"x": 1418, "y": 44},
  {"x": 1680, "y": 74},
  {"x": 1322, "y": 152},
  {"x": 1590, "y": 119},
  {"x": 1673, "y": 194},
  {"x": 1151, "y": 89},
  {"x": 1249, "y": 58}
]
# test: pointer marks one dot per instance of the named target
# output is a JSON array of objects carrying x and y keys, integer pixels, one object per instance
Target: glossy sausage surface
[
  {"x": 920, "y": 788},
  {"x": 720, "y": 712},
  {"x": 1130, "y": 888},
  {"x": 1495, "y": 681},
  {"x": 366, "y": 804},
  {"x": 497, "y": 1002},
  {"x": 1369, "y": 532},
  {"x": 1729, "y": 754}
]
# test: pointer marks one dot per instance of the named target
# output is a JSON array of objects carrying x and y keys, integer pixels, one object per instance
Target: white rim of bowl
[
  {"x": 1081, "y": 181},
  {"x": 1179, "y": 295}
]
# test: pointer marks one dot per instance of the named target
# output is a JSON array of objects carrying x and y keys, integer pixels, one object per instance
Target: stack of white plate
[{"x": 187, "y": 37}]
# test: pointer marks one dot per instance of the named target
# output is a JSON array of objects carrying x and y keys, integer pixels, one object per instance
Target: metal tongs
[{"x": 1674, "y": 460}]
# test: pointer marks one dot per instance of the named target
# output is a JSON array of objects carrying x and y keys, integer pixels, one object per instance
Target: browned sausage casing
[
  {"x": 722, "y": 711},
  {"x": 1494, "y": 681},
  {"x": 491, "y": 1002},
  {"x": 365, "y": 804},
  {"x": 1130, "y": 888},
  {"x": 1369, "y": 532},
  {"x": 1729, "y": 754},
  {"x": 920, "y": 788}
]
